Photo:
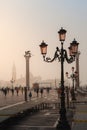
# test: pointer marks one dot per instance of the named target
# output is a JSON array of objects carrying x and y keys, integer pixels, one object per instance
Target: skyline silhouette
[{"x": 23, "y": 26}]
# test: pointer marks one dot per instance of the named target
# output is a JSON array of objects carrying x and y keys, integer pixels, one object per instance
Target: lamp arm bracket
[
  {"x": 56, "y": 55},
  {"x": 69, "y": 60}
]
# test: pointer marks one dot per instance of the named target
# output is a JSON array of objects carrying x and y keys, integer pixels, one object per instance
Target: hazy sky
[{"x": 25, "y": 23}]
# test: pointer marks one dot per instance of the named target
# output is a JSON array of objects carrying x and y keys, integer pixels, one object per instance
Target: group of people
[
  {"x": 8, "y": 90},
  {"x": 37, "y": 92},
  {"x": 21, "y": 90}
]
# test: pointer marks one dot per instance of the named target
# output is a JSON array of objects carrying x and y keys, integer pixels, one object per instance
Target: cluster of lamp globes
[{"x": 73, "y": 49}]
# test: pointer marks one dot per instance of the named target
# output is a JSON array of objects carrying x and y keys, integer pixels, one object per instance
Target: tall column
[
  {"x": 27, "y": 57},
  {"x": 77, "y": 69}
]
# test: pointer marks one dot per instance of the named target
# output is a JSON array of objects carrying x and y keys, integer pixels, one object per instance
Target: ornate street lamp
[
  {"x": 43, "y": 48},
  {"x": 77, "y": 53},
  {"x": 73, "y": 76},
  {"x": 61, "y": 54},
  {"x": 74, "y": 46}
]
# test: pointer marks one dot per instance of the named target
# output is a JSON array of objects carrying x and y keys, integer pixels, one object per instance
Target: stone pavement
[
  {"x": 46, "y": 119},
  {"x": 25, "y": 121},
  {"x": 80, "y": 117}
]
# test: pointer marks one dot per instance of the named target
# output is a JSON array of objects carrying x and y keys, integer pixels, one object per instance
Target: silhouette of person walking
[{"x": 30, "y": 95}]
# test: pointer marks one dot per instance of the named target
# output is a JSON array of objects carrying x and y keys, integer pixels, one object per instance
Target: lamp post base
[
  {"x": 63, "y": 125},
  {"x": 73, "y": 98}
]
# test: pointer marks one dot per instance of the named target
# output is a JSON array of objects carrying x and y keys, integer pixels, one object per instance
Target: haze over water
[{"x": 25, "y": 23}]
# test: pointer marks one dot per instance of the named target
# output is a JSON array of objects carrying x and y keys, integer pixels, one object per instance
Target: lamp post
[
  {"x": 67, "y": 96},
  {"x": 77, "y": 69},
  {"x": 27, "y": 57},
  {"x": 73, "y": 76},
  {"x": 61, "y": 55}
]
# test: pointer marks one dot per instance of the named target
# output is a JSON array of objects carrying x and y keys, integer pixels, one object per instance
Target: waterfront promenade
[
  {"x": 80, "y": 116},
  {"x": 46, "y": 117},
  {"x": 10, "y": 98},
  {"x": 15, "y": 105}
]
